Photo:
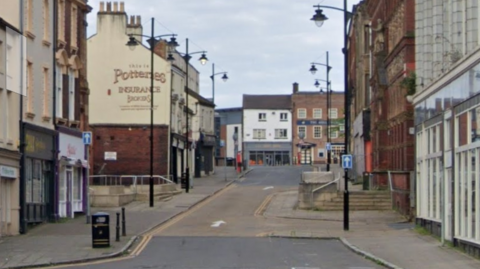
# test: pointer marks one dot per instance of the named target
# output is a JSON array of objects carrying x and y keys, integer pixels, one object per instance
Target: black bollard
[
  {"x": 124, "y": 229},
  {"x": 117, "y": 234}
]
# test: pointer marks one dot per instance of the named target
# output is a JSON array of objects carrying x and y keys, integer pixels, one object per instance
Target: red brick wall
[{"x": 133, "y": 150}]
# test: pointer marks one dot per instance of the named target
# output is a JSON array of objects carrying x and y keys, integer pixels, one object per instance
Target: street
[{"x": 228, "y": 231}]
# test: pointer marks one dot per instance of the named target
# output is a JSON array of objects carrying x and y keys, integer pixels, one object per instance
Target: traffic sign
[
  {"x": 347, "y": 161},
  {"x": 222, "y": 143},
  {"x": 87, "y": 138},
  {"x": 328, "y": 146}
]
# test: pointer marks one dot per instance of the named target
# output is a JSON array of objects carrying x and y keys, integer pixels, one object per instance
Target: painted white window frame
[
  {"x": 317, "y": 113},
  {"x": 59, "y": 91},
  {"x": 316, "y": 134},
  {"x": 302, "y": 113},
  {"x": 262, "y": 116},
  {"x": 299, "y": 130},
  {"x": 259, "y": 134},
  {"x": 283, "y": 116},
  {"x": 281, "y": 133},
  {"x": 71, "y": 95}
]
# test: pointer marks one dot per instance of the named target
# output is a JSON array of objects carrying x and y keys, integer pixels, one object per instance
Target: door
[
  {"x": 77, "y": 188},
  {"x": 62, "y": 194},
  {"x": 69, "y": 185}
]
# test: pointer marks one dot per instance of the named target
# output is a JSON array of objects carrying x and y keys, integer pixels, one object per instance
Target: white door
[
  {"x": 77, "y": 190},
  {"x": 62, "y": 193}
]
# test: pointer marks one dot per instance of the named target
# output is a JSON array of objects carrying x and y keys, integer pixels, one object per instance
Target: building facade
[
  {"x": 120, "y": 100},
  {"x": 359, "y": 78},
  {"x": 393, "y": 68},
  {"x": 447, "y": 122},
  {"x": 38, "y": 136},
  {"x": 71, "y": 105},
  {"x": 309, "y": 126},
  {"x": 12, "y": 77},
  {"x": 228, "y": 122},
  {"x": 267, "y": 130}
]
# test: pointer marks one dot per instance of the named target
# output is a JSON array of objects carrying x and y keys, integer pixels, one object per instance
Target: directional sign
[
  {"x": 328, "y": 146},
  {"x": 347, "y": 161},
  {"x": 87, "y": 138}
]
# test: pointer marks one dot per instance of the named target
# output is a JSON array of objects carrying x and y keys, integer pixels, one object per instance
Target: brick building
[
  {"x": 392, "y": 24},
  {"x": 309, "y": 116}
]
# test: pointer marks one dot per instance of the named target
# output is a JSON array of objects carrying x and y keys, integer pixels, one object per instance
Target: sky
[{"x": 263, "y": 45}]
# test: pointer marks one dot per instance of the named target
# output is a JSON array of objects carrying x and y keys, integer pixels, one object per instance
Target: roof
[
  {"x": 267, "y": 101},
  {"x": 201, "y": 100}
]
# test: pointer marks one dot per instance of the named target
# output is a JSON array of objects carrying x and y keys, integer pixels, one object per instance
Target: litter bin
[
  {"x": 100, "y": 230},
  {"x": 366, "y": 181},
  {"x": 183, "y": 181}
]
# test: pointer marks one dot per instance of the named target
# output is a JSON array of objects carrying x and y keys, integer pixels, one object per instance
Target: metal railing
[
  {"x": 128, "y": 180},
  {"x": 324, "y": 186}
]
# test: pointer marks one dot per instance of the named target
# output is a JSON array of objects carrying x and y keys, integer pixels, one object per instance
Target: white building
[
  {"x": 267, "y": 130},
  {"x": 447, "y": 113}
]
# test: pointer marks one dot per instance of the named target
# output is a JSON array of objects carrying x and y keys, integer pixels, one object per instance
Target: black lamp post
[
  {"x": 224, "y": 78},
  {"x": 203, "y": 60},
  {"x": 132, "y": 43},
  {"x": 313, "y": 70},
  {"x": 319, "y": 18}
]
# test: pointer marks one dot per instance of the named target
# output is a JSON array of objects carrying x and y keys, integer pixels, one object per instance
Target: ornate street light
[{"x": 132, "y": 43}]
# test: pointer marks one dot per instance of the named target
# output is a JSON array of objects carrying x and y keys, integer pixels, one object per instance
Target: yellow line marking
[{"x": 260, "y": 210}]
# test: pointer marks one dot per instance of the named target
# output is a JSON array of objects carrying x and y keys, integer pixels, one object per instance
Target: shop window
[{"x": 6, "y": 186}]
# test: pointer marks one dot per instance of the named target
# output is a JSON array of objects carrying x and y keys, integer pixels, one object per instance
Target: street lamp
[
  {"x": 203, "y": 60},
  {"x": 132, "y": 43},
  {"x": 319, "y": 18},
  {"x": 224, "y": 78},
  {"x": 313, "y": 70}
]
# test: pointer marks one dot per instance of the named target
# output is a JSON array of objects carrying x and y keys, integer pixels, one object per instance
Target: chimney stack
[
  {"x": 295, "y": 87},
  {"x": 102, "y": 6}
]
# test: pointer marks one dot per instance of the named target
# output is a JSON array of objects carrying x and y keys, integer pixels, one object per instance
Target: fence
[{"x": 127, "y": 180}]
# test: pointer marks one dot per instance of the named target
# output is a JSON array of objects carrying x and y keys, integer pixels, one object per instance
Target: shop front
[
  {"x": 177, "y": 157},
  {"x": 268, "y": 154},
  {"x": 37, "y": 185},
  {"x": 71, "y": 175},
  {"x": 9, "y": 184},
  {"x": 204, "y": 155}
]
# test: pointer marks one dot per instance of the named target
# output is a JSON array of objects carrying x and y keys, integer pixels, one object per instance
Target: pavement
[{"x": 383, "y": 236}]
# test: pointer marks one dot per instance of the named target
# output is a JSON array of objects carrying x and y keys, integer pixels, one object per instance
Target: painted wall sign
[
  {"x": 8, "y": 172},
  {"x": 110, "y": 156},
  {"x": 71, "y": 147},
  {"x": 311, "y": 122},
  {"x": 38, "y": 145}
]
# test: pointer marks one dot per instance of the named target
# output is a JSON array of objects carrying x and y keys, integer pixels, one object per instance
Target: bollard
[
  {"x": 117, "y": 234},
  {"x": 124, "y": 229}
]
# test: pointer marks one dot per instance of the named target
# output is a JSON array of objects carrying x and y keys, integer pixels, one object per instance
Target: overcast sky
[{"x": 264, "y": 45}]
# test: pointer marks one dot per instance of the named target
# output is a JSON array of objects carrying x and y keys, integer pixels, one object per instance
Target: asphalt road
[{"x": 227, "y": 232}]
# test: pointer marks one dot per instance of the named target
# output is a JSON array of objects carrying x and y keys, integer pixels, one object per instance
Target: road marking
[
  {"x": 267, "y": 188},
  {"x": 217, "y": 224},
  {"x": 260, "y": 210}
]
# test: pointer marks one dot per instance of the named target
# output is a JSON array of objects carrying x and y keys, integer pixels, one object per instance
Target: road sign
[
  {"x": 347, "y": 161},
  {"x": 222, "y": 143},
  {"x": 87, "y": 138},
  {"x": 328, "y": 146}
]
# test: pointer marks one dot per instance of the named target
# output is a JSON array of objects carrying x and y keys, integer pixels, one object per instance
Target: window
[
  {"x": 281, "y": 134},
  {"x": 45, "y": 92},
  {"x": 262, "y": 116},
  {"x": 61, "y": 19},
  {"x": 333, "y": 113},
  {"x": 59, "y": 97},
  {"x": 259, "y": 134},
  {"x": 30, "y": 87},
  {"x": 29, "y": 15},
  {"x": 333, "y": 131},
  {"x": 283, "y": 117},
  {"x": 321, "y": 153},
  {"x": 302, "y": 113},
  {"x": 317, "y": 131},
  {"x": 2, "y": 63},
  {"x": 341, "y": 128},
  {"x": 302, "y": 129},
  {"x": 317, "y": 113},
  {"x": 46, "y": 20},
  {"x": 4, "y": 112},
  {"x": 73, "y": 30}
]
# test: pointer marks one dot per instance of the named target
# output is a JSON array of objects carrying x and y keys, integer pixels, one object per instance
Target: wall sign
[
  {"x": 7, "y": 171},
  {"x": 71, "y": 147},
  {"x": 110, "y": 156}
]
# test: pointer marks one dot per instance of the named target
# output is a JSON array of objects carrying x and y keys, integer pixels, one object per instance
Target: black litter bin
[
  {"x": 183, "y": 181},
  {"x": 100, "y": 230}
]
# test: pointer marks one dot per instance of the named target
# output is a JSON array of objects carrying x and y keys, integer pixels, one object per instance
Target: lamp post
[
  {"x": 319, "y": 18},
  {"x": 224, "y": 78},
  {"x": 203, "y": 60},
  {"x": 132, "y": 43},
  {"x": 313, "y": 70}
]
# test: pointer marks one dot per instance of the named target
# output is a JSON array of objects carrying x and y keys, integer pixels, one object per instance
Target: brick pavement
[
  {"x": 383, "y": 235},
  {"x": 70, "y": 241}
]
